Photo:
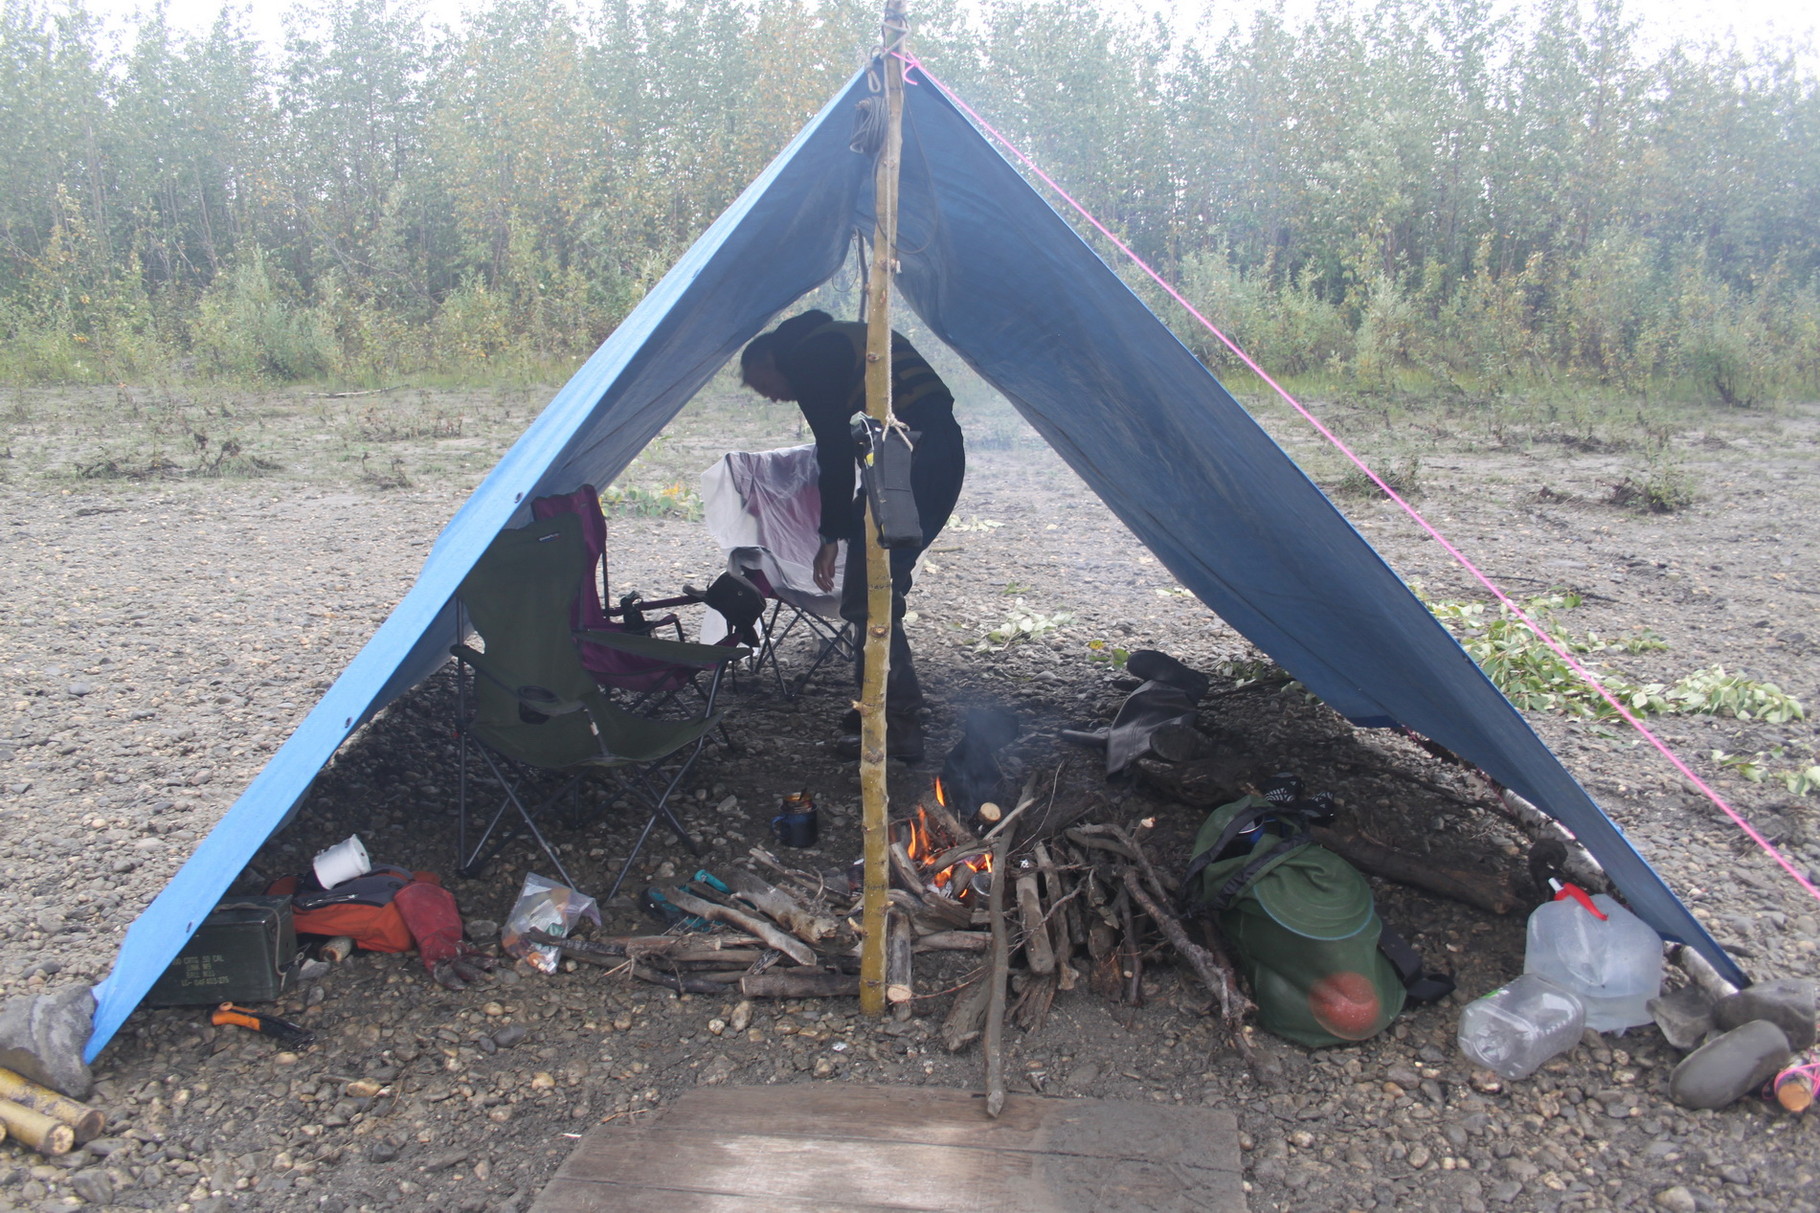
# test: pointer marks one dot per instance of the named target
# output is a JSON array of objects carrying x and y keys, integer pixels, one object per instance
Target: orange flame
[{"x": 920, "y": 846}]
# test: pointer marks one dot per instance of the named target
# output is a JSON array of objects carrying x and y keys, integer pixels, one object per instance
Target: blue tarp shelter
[{"x": 995, "y": 273}]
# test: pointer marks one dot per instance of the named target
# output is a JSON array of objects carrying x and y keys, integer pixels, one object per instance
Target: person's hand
[{"x": 824, "y": 566}]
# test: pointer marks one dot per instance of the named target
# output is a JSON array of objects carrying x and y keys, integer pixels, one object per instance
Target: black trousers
[{"x": 936, "y": 472}]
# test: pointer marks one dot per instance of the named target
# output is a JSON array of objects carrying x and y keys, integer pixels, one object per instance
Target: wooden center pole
[{"x": 875, "y": 806}]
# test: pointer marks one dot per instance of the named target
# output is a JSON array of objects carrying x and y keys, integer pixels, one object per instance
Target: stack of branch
[{"x": 742, "y": 936}]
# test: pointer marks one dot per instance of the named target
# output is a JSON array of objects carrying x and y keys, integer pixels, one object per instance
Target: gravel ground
[{"x": 162, "y": 636}]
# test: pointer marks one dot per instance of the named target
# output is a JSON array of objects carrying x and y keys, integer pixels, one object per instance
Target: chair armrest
[
  {"x": 537, "y": 698},
  {"x": 677, "y": 652}
]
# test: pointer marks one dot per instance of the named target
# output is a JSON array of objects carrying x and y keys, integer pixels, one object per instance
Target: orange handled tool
[{"x": 283, "y": 1030}]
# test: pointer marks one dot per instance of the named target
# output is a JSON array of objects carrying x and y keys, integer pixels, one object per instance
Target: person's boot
[{"x": 903, "y": 739}]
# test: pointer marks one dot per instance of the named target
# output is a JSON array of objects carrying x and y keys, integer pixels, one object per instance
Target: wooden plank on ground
[{"x": 822, "y": 1146}]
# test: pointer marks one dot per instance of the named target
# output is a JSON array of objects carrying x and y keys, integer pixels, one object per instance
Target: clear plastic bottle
[
  {"x": 1515, "y": 1028},
  {"x": 1613, "y": 965}
]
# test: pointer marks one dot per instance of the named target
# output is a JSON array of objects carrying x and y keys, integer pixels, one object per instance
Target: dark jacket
[{"x": 824, "y": 361}]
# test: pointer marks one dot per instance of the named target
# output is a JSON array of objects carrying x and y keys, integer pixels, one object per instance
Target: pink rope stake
[
  {"x": 1794, "y": 1088},
  {"x": 1459, "y": 557}
]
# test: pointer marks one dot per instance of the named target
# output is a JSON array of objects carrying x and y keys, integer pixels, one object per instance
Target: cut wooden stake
[
  {"x": 993, "y": 1040},
  {"x": 900, "y": 982},
  {"x": 1057, "y": 920},
  {"x": 87, "y": 1122},
  {"x": 875, "y": 809},
  {"x": 45, "y": 1134}
]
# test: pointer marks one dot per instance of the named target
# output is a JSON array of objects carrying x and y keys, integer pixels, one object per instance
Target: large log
[
  {"x": 794, "y": 948},
  {"x": 1489, "y": 891},
  {"x": 790, "y": 913}
]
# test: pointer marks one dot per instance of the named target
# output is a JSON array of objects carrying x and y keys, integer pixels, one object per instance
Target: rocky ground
[{"x": 164, "y": 630}]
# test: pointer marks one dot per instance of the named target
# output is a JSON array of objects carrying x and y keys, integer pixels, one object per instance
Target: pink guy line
[{"x": 1586, "y": 676}]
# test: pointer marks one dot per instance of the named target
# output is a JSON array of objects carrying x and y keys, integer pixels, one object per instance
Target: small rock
[
  {"x": 1788, "y": 1003},
  {"x": 543, "y": 1080},
  {"x": 382, "y": 1151},
  {"x": 741, "y": 1018},
  {"x": 823, "y": 1067},
  {"x": 482, "y": 930},
  {"x": 717, "y": 1026},
  {"x": 1676, "y": 1200},
  {"x": 1729, "y": 1066},
  {"x": 93, "y": 1185},
  {"x": 1685, "y": 1015},
  {"x": 510, "y": 1035},
  {"x": 492, "y": 1010},
  {"x": 443, "y": 1162}
]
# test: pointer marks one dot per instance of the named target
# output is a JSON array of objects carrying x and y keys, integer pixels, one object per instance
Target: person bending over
[{"x": 820, "y": 363}]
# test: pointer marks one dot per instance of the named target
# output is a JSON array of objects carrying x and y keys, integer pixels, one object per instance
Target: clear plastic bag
[{"x": 543, "y": 905}]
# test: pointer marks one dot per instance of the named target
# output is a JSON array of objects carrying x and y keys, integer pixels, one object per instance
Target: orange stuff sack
[{"x": 360, "y": 908}]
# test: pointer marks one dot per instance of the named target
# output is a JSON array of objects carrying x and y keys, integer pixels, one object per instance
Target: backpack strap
[
  {"x": 1241, "y": 821},
  {"x": 1421, "y": 986}
]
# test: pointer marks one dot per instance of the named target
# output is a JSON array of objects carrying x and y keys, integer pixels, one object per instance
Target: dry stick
[
  {"x": 790, "y": 913},
  {"x": 799, "y": 985},
  {"x": 953, "y": 941},
  {"x": 1056, "y": 920},
  {"x": 811, "y": 883},
  {"x": 958, "y": 834},
  {"x": 961, "y": 1027},
  {"x": 1163, "y": 888},
  {"x": 1025, "y": 799},
  {"x": 1128, "y": 948},
  {"x": 1700, "y": 970},
  {"x": 993, "y": 1041},
  {"x": 905, "y": 871},
  {"x": 795, "y": 949},
  {"x": 45, "y": 1134},
  {"x": 1213, "y": 970},
  {"x": 900, "y": 980},
  {"x": 86, "y": 1121},
  {"x": 1037, "y": 952}
]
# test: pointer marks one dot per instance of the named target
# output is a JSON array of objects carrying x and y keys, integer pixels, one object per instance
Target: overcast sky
[{"x": 1749, "y": 21}]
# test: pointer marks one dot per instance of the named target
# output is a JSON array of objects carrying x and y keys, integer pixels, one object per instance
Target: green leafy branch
[
  {"x": 1536, "y": 678},
  {"x": 1020, "y": 623}
]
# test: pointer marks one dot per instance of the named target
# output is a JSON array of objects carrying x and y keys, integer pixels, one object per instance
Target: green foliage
[
  {"x": 676, "y": 500},
  {"x": 1659, "y": 490},
  {"x": 251, "y": 324},
  {"x": 1020, "y": 623},
  {"x": 1104, "y": 652},
  {"x": 1535, "y": 677},
  {"x": 1803, "y": 779}
]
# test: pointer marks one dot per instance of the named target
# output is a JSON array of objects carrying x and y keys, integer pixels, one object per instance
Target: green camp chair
[{"x": 537, "y": 719}]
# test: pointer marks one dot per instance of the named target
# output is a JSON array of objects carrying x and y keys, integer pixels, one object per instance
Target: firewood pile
[{"x": 999, "y": 914}]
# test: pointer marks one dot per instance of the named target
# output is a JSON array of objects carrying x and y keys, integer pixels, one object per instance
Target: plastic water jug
[
  {"x": 1600, "y": 952},
  {"x": 1515, "y": 1028}
]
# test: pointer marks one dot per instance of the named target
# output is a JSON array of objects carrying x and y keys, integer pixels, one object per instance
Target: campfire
[{"x": 1006, "y": 907}]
